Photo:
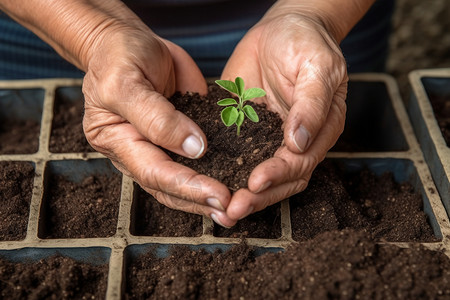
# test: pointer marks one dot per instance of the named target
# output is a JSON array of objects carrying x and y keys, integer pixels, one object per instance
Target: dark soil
[
  {"x": 55, "y": 277},
  {"x": 229, "y": 158},
  {"x": 336, "y": 221},
  {"x": 81, "y": 210},
  {"x": 333, "y": 265},
  {"x": 262, "y": 224},
  {"x": 16, "y": 185},
  {"x": 19, "y": 136},
  {"x": 335, "y": 200},
  {"x": 441, "y": 108},
  {"x": 150, "y": 218},
  {"x": 67, "y": 129}
]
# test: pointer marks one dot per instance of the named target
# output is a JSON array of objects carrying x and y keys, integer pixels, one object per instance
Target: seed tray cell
[
  {"x": 371, "y": 124},
  {"x": 77, "y": 187},
  {"x": 378, "y": 131},
  {"x": 20, "y": 117},
  {"x": 67, "y": 130},
  {"x": 426, "y": 84}
]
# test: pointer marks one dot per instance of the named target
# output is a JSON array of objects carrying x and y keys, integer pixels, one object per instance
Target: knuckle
[{"x": 162, "y": 126}]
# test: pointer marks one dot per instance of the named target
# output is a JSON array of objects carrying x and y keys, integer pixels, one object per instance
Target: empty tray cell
[
  {"x": 151, "y": 218},
  {"x": 81, "y": 199},
  {"x": 16, "y": 187},
  {"x": 383, "y": 197},
  {"x": 438, "y": 91},
  {"x": 213, "y": 271},
  {"x": 64, "y": 273},
  {"x": 20, "y": 120},
  {"x": 371, "y": 123},
  {"x": 67, "y": 130},
  {"x": 265, "y": 224}
]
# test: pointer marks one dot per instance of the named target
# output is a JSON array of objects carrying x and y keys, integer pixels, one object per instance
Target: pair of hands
[{"x": 132, "y": 71}]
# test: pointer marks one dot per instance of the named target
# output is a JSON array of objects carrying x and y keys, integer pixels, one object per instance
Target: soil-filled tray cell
[
  {"x": 263, "y": 224},
  {"x": 188, "y": 271},
  {"x": 429, "y": 111},
  {"x": 64, "y": 273},
  {"x": 16, "y": 187},
  {"x": 20, "y": 120},
  {"x": 81, "y": 199},
  {"x": 151, "y": 218},
  {"x": 67, "y": 130},
  {"x": 383, "y": 197},
  {"x": 371, "y": 123}
]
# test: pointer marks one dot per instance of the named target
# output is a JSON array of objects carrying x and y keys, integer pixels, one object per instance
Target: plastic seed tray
[
  {"x": 376, "y": 118},
  {"x": 426, "y": 83}
]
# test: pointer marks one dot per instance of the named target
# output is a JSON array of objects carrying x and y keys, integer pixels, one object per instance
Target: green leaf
[
  {"x": 240, "y": 119},
  {"x": 240, "y": 85},
  {"x": 229, "y": 115},
  {"x": 226, "y": 102},
  {"x": 228, "y": 85},
  {"x": 253, "y": 93},
  {"x": 251, "y": 113}
]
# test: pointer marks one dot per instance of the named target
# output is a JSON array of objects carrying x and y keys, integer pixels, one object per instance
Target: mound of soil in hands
[
  {"x": 19, "y": 136},
  {"x": 151, "y": 218},
  {"x": 229, "y": 158},
  {"x": 441, "y": 108},
  {"x": 81, "y": 210},
  {"x": 67, "y": 128},
  {"x": 55, "y": 277},
  {"x": 16, "y": 186},
  {"x": 378, "y": 205},
  {"x": 336, "y": 264}
]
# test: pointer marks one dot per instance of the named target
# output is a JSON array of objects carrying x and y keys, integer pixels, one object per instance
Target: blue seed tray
[
  {"x": 435, "y": 150},
  {"x": 376, "y": 120}
]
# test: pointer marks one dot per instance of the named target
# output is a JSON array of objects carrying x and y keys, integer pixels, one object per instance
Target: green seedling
[{"x": 235, "y": 112}]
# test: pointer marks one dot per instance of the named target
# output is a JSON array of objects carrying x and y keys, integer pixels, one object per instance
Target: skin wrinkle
[{"x": 307, "y": 165}]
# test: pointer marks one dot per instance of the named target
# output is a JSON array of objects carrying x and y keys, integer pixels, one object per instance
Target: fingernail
[
  {"x": 263, "y": 187},
  {"x": 216, "y": 220},
  {"x": 301, "y": 138},
  {"x": 213, "y": 202},
  {"x": 249, "y": 211},
  {"x": 193, "y": 146}
]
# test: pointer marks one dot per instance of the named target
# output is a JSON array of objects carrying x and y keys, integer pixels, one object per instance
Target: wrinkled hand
[
  {"x": 128, "y": 118},
  {"x": 302, "y": 69}
]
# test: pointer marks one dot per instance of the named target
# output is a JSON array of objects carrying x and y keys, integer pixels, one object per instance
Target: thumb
[
  {"x": 156, "y": 118},
  {"x": 312, "y": 100}
]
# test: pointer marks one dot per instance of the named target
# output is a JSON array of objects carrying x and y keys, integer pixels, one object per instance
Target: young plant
[{"x": 235, "y": 112}]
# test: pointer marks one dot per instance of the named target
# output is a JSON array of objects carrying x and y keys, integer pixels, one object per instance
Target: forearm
[
  {"x": 71, "y": 27},
  {"x": 338, "y": 16}
]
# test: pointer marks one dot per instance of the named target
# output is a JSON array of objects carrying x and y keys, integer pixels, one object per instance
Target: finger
[
  {"x": 152, "y": 168},
  {"x": 188, "y": 76},
  {"x": 287, "y": 166},
  {"x": 242, "y": 63},
  {"x": 245, "y": 202},
  {"x": 173, "y": 202},
  {"x": 315, "y": 91},
  {"x": 157, "y": 120}
]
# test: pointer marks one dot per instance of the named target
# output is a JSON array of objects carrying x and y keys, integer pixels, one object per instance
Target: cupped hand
[
  {"x": 128, "y": 118},
  {"x": 299, "y": 64}
]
